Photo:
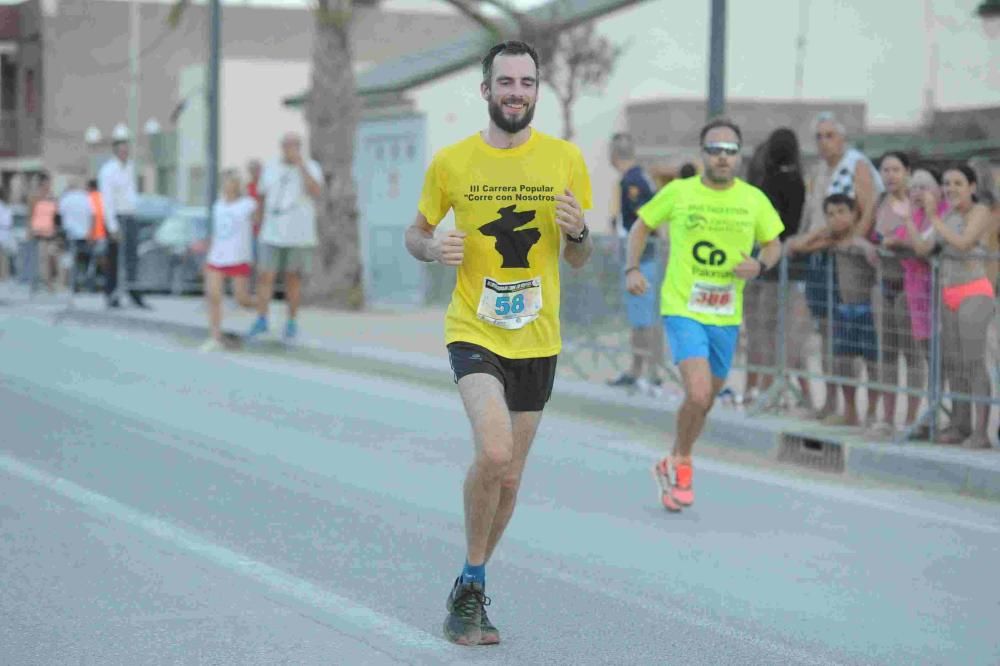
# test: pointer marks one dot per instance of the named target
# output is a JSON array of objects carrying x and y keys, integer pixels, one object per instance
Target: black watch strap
[{"x": 582, "y": 237}]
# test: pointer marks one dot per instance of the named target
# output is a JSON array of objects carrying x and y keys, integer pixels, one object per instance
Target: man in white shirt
[
  {"x": 117, "y": 183},
  {"x": 289, "y": 189},
  {"x": 77, "y": 218}
]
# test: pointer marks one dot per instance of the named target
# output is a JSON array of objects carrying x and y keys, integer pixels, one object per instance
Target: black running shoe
[
  {"x": 624, "y": 380},
  {"x": 465, "y": 613},
  {"x": 490, "y": 634}
]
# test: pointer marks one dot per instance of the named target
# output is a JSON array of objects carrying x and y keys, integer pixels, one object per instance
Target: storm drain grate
[{"x": 819, "y": 454}]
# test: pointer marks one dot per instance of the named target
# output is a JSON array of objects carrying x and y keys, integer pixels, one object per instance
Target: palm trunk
[{"x": 332, "y": 113}]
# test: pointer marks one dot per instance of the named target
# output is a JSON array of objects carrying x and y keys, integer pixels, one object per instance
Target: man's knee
[
  {"x": 700, "y": 396},
  {"x": 495, "y": 460},
  {"x": 511, "y": 480}
]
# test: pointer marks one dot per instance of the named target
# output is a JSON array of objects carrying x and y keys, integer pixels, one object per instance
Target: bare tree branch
[
  {"x": 581, "y": 62},
  {"x": 470, "y": 9},
  {"x": 176, "y": 12}
]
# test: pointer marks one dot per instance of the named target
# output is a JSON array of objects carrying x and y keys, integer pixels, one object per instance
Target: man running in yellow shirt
[
  {"x": 715, "y": 221},
  {"x": 518, "y": 198}
]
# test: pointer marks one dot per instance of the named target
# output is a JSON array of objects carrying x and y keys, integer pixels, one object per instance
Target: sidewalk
[{"x": 409, "y": 344}]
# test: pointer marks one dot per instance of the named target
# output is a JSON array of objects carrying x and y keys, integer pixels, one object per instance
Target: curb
[{"x": 763, "y": 437}]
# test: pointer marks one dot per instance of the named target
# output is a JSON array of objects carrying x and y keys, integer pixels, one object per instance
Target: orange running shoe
[
  {"x": 661, "y": 472},
  {"x": 682, "y": 492}
]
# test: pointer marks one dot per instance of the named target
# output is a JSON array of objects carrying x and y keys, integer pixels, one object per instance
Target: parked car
[{"x": 172, "y": 245}]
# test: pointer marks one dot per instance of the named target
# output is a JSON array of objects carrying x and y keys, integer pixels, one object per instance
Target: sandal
[
  {"x": 950, "y": 436},
  {"x": 977, "y": 442}
]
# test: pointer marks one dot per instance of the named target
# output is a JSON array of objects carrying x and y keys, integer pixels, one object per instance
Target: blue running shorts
[{"x": 692, "y": 339}]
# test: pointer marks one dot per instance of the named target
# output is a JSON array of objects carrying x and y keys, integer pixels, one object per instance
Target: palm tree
[{"x": 332, "y": 112}]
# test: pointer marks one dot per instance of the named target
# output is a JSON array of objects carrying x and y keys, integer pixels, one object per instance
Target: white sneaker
[{"x": 211, "y": 345}]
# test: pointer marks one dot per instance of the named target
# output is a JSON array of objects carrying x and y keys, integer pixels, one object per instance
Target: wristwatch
[{"x": 582, "y": 237}]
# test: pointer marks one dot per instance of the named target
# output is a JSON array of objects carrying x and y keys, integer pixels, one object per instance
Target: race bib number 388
[
  {"x": 713, "y": 299},
  {"x": 510, "y": 305}
]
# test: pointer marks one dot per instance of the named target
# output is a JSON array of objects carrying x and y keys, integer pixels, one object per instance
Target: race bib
[
  {"x": 510, "y": 305},
  {"x": 713, "y": 299}
]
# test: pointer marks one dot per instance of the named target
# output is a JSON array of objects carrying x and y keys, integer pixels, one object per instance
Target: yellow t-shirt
[
  {"x": 506, "y": 296},
  {"x": 708, "y": 231}
]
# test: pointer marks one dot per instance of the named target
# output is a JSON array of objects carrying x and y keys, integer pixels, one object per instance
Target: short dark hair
[
  {"x": 899, "y": 155},
  {"x": 688, "y": 170},
  {"x": 965, "y": 170},
  {"x": 510, "y": 47},
  {"x": 92, "y": 184},
  {"x": 839, "y": 199},
  {"x": 622, "y": 146},
  {"x": 720, "y": 122}
]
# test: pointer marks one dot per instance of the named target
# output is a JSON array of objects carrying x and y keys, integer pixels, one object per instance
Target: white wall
[{"x": 252, "y": 117}]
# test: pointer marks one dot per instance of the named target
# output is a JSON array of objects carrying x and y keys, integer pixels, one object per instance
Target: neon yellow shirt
[
  {"x": 506, "y": 295},
  {"x": 709, "y": 229}
]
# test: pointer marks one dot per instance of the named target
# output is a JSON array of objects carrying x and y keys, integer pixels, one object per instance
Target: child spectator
[{"x": 853, "y": 319}]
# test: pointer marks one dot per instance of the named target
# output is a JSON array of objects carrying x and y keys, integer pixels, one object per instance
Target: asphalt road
[{"x": 162, "y": 506}]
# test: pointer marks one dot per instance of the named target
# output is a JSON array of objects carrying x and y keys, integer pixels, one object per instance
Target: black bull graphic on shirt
[{"x": 512, "y": 244}]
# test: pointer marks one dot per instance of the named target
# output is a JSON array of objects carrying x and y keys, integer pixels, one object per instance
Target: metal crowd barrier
[{"x": 804, "y": 331}]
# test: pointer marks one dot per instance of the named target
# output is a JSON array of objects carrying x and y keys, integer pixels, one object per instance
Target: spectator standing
[
  {"x": 77, "y": 219},
  {"x": 290, "y": 187},
  {"x": 229, "y": 254},
  {"x": 8, "y": 246},
  {"x": 642, "y": 311},
  {"x": 841, "y": 170},
  {"x": 99, "y": 242},
  {"x": 988, "y": 194},
  {"x": 779, "y": 176},
  {"x": 117, "y": 183},
  {"x": 43, "y": 231},
  {"x": 854, "y": 333},
  {"x": 687, "y": 170},
  {"x": 967, "y": 299},
  {"x": 916, "y": 288},
  {"x": 254, "y": 168},
  {"x": 896, "y": 330}
]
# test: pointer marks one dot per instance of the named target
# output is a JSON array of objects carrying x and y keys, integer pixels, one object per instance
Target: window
[
  {"x": 30, "y": 92},
  {"x": 8, "y": 83}
]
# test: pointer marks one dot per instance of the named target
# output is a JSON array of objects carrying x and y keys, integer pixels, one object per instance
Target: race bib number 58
[
  {"x": 713, "y": 299},
  {"x": 510, "y": 305}
]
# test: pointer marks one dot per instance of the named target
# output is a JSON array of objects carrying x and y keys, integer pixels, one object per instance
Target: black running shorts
[{"x": 527, "y": 382}]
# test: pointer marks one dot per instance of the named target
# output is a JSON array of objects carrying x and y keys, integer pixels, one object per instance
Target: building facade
[{"x": 65, "y": 67}]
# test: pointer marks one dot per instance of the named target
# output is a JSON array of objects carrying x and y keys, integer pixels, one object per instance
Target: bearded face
[
  {"x": 511, "y": 113},
  {"x": 512, "y": 92}
]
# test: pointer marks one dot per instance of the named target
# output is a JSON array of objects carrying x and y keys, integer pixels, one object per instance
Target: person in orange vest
[
  {"x": 98, "y": 236},
  {"x": 43, "y": 232}
]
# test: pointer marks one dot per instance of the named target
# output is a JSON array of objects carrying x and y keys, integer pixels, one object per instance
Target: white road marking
[{"x": 360, "y": 617}]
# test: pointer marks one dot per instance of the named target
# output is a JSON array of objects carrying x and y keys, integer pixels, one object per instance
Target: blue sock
[{"x": 474, "y": 573}]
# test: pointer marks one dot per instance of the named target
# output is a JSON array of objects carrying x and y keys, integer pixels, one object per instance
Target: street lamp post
[
  {"x": 717, "y": 60},
  {"x": 92, "y": 138},
  {"x": 215, "y": 20},
  {"x": 152, "y": 131}
]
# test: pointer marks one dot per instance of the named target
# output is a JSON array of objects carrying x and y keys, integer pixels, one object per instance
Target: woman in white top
[{"x": 230, "y": 253}]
